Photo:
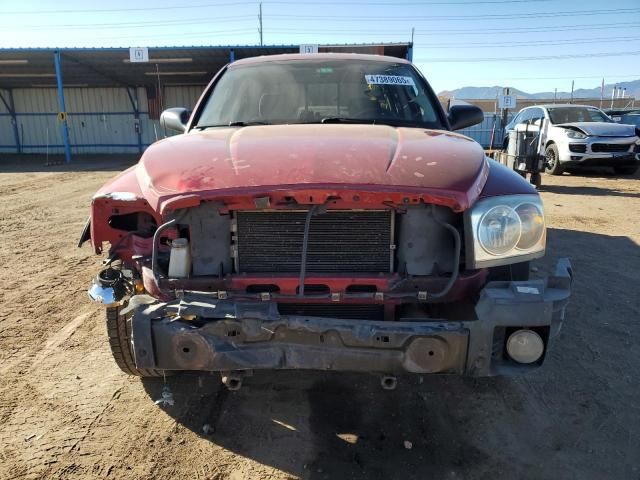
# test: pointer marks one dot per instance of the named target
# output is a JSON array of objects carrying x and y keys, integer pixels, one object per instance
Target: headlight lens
[
  {"x": 574, "y": 134},
  {"x": 499, "y": 230},
  {"x": 503, "y": 228},
  {"x": 532, "y": 221}
]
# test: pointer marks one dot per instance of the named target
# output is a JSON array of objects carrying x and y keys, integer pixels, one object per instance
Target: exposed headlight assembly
[
  {"x": 571, "y": 133},
  {"x": 504, "y": 230}
]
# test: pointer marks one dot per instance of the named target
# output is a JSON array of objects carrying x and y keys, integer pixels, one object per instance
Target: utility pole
[
  {"x": 410, "y": 50},
  {"x": 601, "y": 93},
  {"x": 571, "y": 91},
  {"x": 260, "y": 20}
]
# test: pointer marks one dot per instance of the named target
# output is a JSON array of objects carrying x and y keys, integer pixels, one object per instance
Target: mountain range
[{"x": 487, "y": 93}]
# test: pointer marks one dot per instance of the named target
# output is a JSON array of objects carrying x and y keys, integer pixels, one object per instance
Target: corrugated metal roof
[{"x": 194, "y": 65}]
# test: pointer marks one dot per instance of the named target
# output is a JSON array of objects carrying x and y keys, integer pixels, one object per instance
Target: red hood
[{"x": 368, "y": 157}]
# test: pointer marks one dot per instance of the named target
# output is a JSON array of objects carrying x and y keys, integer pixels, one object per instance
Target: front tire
[
  {"x": 625, "y": 170},
  {"x": 552, "y": 156},
  {"x": 119, "y": 333}
]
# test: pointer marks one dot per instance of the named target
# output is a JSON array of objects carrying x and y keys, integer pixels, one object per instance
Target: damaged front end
[
  {"x": 204, "y": 333},
  {"x": 382, "y": 280}
]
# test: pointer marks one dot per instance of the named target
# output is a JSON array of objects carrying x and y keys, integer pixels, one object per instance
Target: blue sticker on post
[{"x": 389, "y": 80}]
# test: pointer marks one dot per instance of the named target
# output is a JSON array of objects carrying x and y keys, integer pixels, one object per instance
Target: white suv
[{"x": 581, "y": 135}]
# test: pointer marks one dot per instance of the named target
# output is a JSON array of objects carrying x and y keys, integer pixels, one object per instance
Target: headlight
[
  {"x": 499, "y": 230},
  {"x": 504, "y": 230},
  {"x": 571, "y": 133}
]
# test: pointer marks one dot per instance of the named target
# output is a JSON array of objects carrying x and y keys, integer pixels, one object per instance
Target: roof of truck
[{"x": 319, "y": 56}]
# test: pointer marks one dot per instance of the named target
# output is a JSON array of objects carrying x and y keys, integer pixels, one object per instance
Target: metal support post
[
  {"x": 62, "y": 115},
  {"x": 11, "y": 108},
  {"x": 133, "y": 98}
]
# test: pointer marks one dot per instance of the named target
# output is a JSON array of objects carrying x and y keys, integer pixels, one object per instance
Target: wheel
[
  {"x": 517, "y": 272},
  {"x": 625, "y": 170},
  {"x": 119, "y": 333},
  {"x": 552, "y": 160}
]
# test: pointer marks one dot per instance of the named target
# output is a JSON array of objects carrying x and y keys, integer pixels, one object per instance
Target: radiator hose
[{"x": 456, "y": 255}]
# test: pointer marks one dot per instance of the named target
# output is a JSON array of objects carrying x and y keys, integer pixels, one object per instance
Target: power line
[
  {"x": 560, "y": 28},
  {"x": 519, "y": 59},
  {"x": 138, "y": 9},
  {"x": 339, "y": 18},
  {"x": 431, "y": 32},
  {"x": 437, "y": 18},
  {"x": 414, "y": 4},
  {"x": 212, "y": 33},
  {"x": 280, "y": 2},
  {"x": 535, "y": 43},
  {"x": 632, "y": 76},
  {"x": 140, "y": 24}
]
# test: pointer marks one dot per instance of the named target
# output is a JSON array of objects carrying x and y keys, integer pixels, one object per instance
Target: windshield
[
  {"x": 577, "y": 114},
  {"x": 315, "y": 91}
]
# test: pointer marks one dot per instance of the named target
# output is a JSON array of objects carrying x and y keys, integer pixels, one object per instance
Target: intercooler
[{"x": 339, "y": 241}]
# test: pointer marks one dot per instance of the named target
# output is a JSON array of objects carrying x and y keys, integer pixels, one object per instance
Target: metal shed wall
[{"x": 101, "y": 120}]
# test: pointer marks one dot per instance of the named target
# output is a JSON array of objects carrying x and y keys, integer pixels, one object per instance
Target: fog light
[{"x": 525, "y": 346}]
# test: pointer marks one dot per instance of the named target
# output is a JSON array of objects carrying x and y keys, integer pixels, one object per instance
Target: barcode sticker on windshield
[{"x": 389, "y": 80}]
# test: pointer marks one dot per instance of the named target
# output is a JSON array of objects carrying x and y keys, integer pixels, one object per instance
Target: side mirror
[
  {"x": 462, "y": 116},
  {"x": 175, "y": 119}
]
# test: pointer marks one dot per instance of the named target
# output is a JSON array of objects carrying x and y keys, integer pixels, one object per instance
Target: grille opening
[
  {"x": 347, "y": 311},
  {"x": 610, "y": 147},
  {"x": 315, "y": 289},
  {"x": 260, "y": 288},
  {"x": 578, "y": 147},
  {"x": 361, "y": 289}
]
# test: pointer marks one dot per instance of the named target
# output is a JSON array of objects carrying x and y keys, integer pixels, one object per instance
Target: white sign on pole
[
  {"x": 138, "y": 54},
  {"x": 507, "y": 101},
  {"x": 309, "y": 48}
]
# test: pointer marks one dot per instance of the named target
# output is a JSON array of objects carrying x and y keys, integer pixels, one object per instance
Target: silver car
[{"x": 581, "y": 135}]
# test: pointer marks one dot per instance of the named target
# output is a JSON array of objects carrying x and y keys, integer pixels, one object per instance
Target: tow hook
[
  {"x": 233, "y": 380},
  {"x": 389, "y": 383}
]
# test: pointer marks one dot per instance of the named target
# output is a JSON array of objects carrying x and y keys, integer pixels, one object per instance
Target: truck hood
[
  {"x": 602, "y": 129},
  {"x": 249, "y": 160}
]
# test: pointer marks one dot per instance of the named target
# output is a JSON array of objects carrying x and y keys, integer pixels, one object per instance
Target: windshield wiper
[
  {"x": 239, "y": 123},
  {"x": 347, "y": 120},
  {"x": 392, "y": 122}
]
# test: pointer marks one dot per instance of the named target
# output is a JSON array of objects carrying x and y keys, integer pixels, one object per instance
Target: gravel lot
[{"x": 66, "y": 411}]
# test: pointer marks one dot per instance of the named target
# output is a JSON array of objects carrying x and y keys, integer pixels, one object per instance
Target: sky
[{"x": 532, "y": 45}]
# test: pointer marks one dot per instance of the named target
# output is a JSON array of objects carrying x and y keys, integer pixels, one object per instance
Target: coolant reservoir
[{"x": 180, "y": 259}]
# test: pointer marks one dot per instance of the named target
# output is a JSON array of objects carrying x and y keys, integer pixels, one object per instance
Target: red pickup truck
[{"x": 318, "y": 212}]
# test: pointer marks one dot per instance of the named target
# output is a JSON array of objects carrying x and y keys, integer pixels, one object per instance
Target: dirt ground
[{"x": 66, "y": 411}]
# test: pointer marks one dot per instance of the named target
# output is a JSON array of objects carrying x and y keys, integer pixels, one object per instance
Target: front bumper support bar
[{"x": 201, "y": 333}]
